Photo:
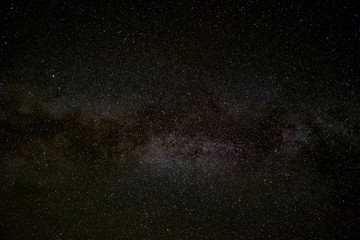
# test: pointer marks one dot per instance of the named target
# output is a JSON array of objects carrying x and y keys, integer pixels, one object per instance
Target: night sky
[{"x": 179, "y": 120}]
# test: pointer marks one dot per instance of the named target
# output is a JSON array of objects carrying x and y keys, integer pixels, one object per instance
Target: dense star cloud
[{"x": 179, "y": 120}]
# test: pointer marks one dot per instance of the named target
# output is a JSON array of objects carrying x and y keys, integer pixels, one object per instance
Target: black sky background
[{"x": 179, "y": 120}]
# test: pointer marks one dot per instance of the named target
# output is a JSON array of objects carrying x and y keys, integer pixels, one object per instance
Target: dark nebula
[{"x": 179, "y": 120}]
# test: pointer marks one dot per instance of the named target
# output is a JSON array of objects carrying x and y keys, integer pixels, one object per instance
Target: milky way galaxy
[{"x": 179, "y": 120}]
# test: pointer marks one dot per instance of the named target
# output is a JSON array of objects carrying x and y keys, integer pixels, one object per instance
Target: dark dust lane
[{"x": 236, "y": 120}]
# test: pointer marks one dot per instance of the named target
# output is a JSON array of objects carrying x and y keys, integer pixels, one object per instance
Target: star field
[{"x": 179, "y": 120}]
